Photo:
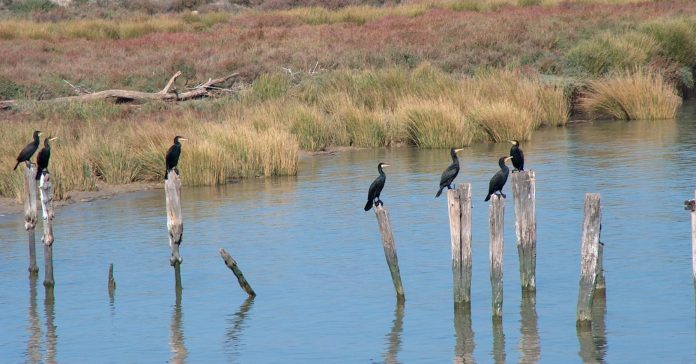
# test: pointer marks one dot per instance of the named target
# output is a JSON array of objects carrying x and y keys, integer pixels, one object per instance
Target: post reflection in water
[
  {"x": 176, "y": 339},
  {"x": 51, "y": 336},
  {"x": 34, "y": 329},
  {"x": 530, "y": 350},
  {"x": 464, "y": 345},
  {"x": 498, "y": 340},
  {"x": 232, "y": 344},
  {"x": 394, "y": 336},
  {"x": 593, "y": 338}
]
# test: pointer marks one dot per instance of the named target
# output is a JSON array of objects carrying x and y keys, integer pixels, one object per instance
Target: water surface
[{"x": 324, "y": 292}]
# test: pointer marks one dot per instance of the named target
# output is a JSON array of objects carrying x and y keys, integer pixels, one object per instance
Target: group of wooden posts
[{"x": 523, "y": 190}]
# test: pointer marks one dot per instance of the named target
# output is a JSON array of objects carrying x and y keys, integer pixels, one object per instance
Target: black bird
[
  {"x": 499, "y": 178},
  {"x": 173, "y": 154},
  {"x": 43, "y": 157},
  {"x": 517, "y": 156},
  {"x": 450, "y": 173},
  {"x": 376, "y": 188},
  {"x": 28, "y": 151}
]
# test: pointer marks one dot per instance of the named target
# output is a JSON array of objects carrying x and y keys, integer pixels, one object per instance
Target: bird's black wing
[{"x": 449, "y": 175}]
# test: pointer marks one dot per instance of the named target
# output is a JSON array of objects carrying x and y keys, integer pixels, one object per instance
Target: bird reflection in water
[
  {"x": 393, "y": 338},
  {"x": 176, "y": 338},
  {"x": 464, "y": 345}
]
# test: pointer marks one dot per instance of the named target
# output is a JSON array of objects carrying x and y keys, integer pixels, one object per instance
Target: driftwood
[
  {"x": 232, "y": 264},
  {"x": 46, "y": 191},
  {"x": 166, "y": 94},
  {"x": 30, "y": 212}
]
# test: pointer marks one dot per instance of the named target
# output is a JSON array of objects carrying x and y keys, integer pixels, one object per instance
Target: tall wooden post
[
  {"x": 175, "y": 225},
  {"x": 524, "y": 194},
  {"x": 496, "y": 213},
  {"x": 390, "y": 249},
  {"x": 459, "y": 207},
  {"x": 232, "y": 264},
  {"x": 111, "y": 284},
  {"x": 589, "y": 251},
  {"x": 46, "y": 191},
  {"x": 30, "y": 213}
]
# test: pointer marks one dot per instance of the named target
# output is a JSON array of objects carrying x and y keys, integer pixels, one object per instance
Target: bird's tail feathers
[
  {"x": 38, "y": 174},
  {"x": 15, "y": 166},
  {"x": 439, "y": 192},
  {"x": 368, "y": 205},
  {"x": 488, "y": 197}
]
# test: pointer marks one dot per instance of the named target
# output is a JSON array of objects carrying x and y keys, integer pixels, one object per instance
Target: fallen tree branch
[{"x": 199, "y": 91}]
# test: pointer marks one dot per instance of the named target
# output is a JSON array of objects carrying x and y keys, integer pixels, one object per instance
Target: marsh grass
[
  {"x": 637, "y": 95},
  {"x": 437, "y": 123},
  {"x": 608, "y": 52}
]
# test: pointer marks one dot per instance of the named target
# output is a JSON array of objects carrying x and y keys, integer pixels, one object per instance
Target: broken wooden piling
[
  {"x": 459, "y": 207},
  {"x": 46, "y": 192},
  {"x": 690, "y": 205},
  {"x": 389, "y": 249},
  {"x": 232, "y": 264},
  {"x": 175, "y": 226},
  {"x": 112, "y": 282},
  {"x": 524, "y": 194},
  {"x": 30, "y": 213},
  {"x": 591, "y": 227},
  {"x": 496, "y": 213}
]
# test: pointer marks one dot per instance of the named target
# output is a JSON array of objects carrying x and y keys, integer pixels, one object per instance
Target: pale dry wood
[
  {"x": 30, "y": 213},
  {"x": 600, "y": 285},
  {"x": 389, "y": 249},
  {"x": 496, "y": 213},
  {"x": 232, "y": 264},
  {"x": 175, "y": 225},
  {"x": 459, "y": 209},
  {"x": 589, "y": 251},
  {"x": 202, "y": 90},
  {"x": 524, "y": 194},
  {"x": 46, "y": 192}
]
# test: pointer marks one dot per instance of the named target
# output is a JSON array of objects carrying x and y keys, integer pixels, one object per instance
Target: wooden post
[
  {"x": 112, "y": 281},
  {"x": 459, "y": 203},
  {"x": 46, "y": 192},
  {"x": 691, "y": 205},
  {"x": 524, "y": 194},
  {"x": 389, "y": 249},
  {"x": 175, "y": 225},
  {"x": 600, "y": 285},
  {"x": 589, "y": 251},
  {"x": 232, "y": 264},
  {"x": 30, "y": 213},
  {"x": 496, "y": 213}
]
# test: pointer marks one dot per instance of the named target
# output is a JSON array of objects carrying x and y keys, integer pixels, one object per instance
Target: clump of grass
[
  {"x": 364, "y": 128},
  {"x": 609, "y": 52},
  {"x": 502, "y": 121},
  {"x": 637, "y": 95},
  {"x": 311, "y": 130},
  {"x": 436, "y": 123},
  {"x": 269, "y": 86},
  {"x": 676, "y": 38}
]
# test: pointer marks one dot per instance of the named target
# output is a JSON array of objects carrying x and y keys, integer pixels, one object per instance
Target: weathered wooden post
[
  {"x": 232, "y": 264},
  {"x": 112, "y": 281},
  {"x": 496, "y": 213},
  {"x": 524, "y": 194},
  {"x": 175, "y": 225},
  {"x": 589, "y": 252},
  {"x": 691, "y": 206},
  {"x": 30, "y": 213},
  {"x": 389, "y": 249},
  {"x": 459, "y": 207},
  {"x": 46, "y": 191},
  {"x": 600, "y": 285}
]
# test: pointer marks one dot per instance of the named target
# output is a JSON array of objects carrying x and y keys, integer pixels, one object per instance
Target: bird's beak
[
  {"x": 458, "y": 150},
  {"x": 386, "y": 165},
  {"x": 508, "y": 158},
  {"x": 54, "y": 138},
  {"x": 512, "y": 142},
  {"x": 183, "y": 139}
]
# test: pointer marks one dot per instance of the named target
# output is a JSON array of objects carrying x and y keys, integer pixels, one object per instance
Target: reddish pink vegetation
[{"x": 535, "y": 37}]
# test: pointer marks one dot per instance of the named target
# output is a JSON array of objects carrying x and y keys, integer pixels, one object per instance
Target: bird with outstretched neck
[
  {"x": 450, "y": 173},
  {"x": 376, "y": 188},
  {"x": 499, "y": 178},
  {"x": 517, "y": 156},
  {"x": 28, "y": 151},
  {"x": 172, "y": 159},
  {"x": 43, "y": 157}
]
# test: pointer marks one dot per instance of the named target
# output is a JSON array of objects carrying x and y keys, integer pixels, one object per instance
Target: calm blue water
[{"x": 324, "y": 292}]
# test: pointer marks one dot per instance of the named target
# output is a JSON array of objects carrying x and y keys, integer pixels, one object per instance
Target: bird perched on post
[
  {"x": 499, "y": 178},
  {"x": 450, "y": 173},
  {"x": 28, "y": 151},
  {"x": 43, "y": 157},
  {"x": 173, "y": 154},
  {"x": 517, "y": 156},
  {"x": 376, "y": 188}
]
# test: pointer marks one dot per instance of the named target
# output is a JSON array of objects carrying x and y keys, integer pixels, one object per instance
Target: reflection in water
[
  {"x": 530, "y": 350},
  {"x": 464, "y": 346},
  {"x": 593, "y": 338},
  {"x": 498, "y": 340},
  {"x": 51, "y": 336},
  {"x": 394, "y": 336},
  {"x": 176, "y": 338},
  {"x": 236, "y": 325},
  {"x": 33, "y": 344}
]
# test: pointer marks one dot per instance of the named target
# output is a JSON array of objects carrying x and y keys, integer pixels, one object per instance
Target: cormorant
[
  {"x": 29, "y": 150},
  {"x": 499, "y": 178},
  {"x": 43, "y": 157},
  {"x": 450, "y": 173},
  {"x": 517, "y": 156},
  {"x": 376, "y": 188},
  {"x": 173, "y": 154}
]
